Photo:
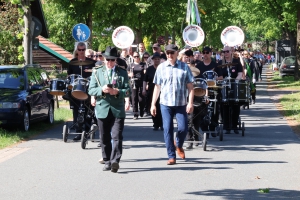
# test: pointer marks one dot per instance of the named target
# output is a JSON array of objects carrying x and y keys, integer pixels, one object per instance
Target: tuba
[
  {"x": 193, "y": 35},
  {"x": 123, "y": 38},
  {"x": 232, "y": 36}
]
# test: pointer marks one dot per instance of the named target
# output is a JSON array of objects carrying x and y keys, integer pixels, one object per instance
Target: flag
[{"x": 192, "y": 13}]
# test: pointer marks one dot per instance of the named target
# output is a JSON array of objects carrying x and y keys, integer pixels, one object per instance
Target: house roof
[{"x": 54, "y": 49}]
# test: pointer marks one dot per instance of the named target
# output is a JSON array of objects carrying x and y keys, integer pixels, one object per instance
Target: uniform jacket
[{"x": 106, "y": 101}]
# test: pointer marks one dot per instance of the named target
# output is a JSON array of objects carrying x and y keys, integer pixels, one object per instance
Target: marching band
[{"x": 217, "y": 88}]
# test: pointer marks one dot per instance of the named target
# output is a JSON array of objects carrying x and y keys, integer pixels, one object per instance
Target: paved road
[{"x": 267, "y": 157}]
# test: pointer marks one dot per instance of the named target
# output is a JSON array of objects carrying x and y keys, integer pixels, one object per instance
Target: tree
[{"x": 10, "y": 39}]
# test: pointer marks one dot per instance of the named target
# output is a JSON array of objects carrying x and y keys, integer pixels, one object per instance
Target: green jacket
[{"x": 106, "y": 101}]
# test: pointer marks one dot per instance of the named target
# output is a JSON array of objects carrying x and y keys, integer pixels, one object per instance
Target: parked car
[
  {"x": 25, "y": 96},
  {"x": 287, "y": 67}
]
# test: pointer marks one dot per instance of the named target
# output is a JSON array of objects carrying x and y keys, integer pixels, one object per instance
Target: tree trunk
[
  {"x": 296, "y": 77},
  {"x": 267, "y": 45},
  {"x": 89, "y": 22},
  {"x": 27, "y": 31}
]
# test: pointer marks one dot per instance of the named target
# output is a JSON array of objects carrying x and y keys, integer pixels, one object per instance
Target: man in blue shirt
[{"x": 174, "y": 80}]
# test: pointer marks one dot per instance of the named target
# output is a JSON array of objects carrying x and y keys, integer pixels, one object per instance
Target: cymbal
[
  {"x": 81, "y": 62},
  {"x": 227, "y": 64},
  {"x": 195, "y": 71}
]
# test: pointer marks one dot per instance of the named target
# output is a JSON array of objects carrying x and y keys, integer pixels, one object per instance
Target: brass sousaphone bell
[
  {"x": 232, "y": 36},
  {"x": 123, "y": 38}
]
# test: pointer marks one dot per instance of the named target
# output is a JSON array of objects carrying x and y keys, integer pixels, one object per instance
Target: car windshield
[
  {"x": 11, "y": 79},
  {"x": 290, "y": 61}
]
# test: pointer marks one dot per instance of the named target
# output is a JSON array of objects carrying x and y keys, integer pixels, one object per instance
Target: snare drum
[
  {"x": 57, "y": 87},
  {"x": 200, "y": 87},
  {"x": 71, "y": 80},
  {"x": 211, "y": 77},
  {"x": 235, "y": 91},
  {"x": 80, "y": 87},
  {"x": 241, "y": 91}
]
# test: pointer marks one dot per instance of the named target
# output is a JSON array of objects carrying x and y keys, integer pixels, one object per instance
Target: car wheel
[
  {"x": 26, "y": 120},
  {"x": 50, "y": 117}
]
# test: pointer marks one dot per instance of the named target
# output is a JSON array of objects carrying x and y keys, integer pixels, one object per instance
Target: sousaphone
[
  {"x": 232, "y": 36},
  {"x": 193, "y": 35},
  {"x": 123, "y": 37}
]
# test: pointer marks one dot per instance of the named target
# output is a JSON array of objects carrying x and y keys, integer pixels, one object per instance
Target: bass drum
[
  {"x": 57, "y": 87},
  {"x": 210, "y": 77},
  {"x": 200, "y": 87},
  {"x": 79, "y": 90}
]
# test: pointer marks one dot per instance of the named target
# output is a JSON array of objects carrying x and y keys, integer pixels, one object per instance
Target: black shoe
[
  {"x": 106, "y": 167},
  {"x": 155, "y": 128},
  {"x": 161, "y": 128},
  {"x": 189, "y": 146},
  {"x": 213, "y": 135},
  {"x": 77, "y": 137},
  {"x": 142, "y": 114},
  {"x": 236, "y": 131},
  {"x": 99, "y": 144},
  {"x": 253, "y": 101},
  {"x": 227, "y": 132},
  {"x": 135, "y": 117},
  {"x": 115, "y": 167}
]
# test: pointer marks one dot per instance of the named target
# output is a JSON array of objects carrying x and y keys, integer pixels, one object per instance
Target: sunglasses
[
  {"x": 113, "y": 60},
  {"x": 80, "y": 49},
  {"x": 205, "y": 52},
  {"x": 225, "y": 51},
  {"x": 170, "y": 52},
  {"x": 136, "y": 56},
  {"x": 146, "y": 57}
]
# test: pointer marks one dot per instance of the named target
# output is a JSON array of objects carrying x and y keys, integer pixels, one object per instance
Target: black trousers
[
  {"x": 231, "y": 113},
  {"x": 253, "y": 93},
  {"x": 111, "y": 137},
  {"x": 137, "y": 98},
  {"x": 197, "y": 119},
  {"x": 157, "y": 120}
]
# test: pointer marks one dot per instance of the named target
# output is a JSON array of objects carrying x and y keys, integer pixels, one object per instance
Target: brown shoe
[
  {"x": 171, "y": 161},
  {"x": 180, "y": 152}
]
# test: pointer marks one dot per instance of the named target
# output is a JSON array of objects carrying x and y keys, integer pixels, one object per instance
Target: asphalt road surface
[{"x": 266, "y": 158}]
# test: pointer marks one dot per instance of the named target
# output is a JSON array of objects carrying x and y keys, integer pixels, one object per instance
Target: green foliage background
[{"x": 10, "y": 34}]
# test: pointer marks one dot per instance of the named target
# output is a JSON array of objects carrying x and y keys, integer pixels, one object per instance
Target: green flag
[{"x": 193, "y": 13}]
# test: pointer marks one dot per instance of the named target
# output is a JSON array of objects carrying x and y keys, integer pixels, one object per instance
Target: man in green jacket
[{"x": 109, "y": 86}]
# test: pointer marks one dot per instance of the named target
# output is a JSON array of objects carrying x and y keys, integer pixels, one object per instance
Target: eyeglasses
[
  {"x": 96, "y": 56},
  {"x": 113, "y": 60},
  {"x": 205, "y": 52},
  {"x": 146, "y": 57},
  {"x": 227, "y": 51},
  {"x": 170, "y": 52},
  {"x": 80, "y": 49},
  {"x": 136, "y": 56}
]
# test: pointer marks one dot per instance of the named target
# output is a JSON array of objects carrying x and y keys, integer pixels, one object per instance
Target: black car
[
  {"x": 287, "y": 66},
  {"x": 25, "y": 96}
]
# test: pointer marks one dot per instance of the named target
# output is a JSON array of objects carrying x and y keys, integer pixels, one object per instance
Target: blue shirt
[{"x": 173, "y": 82}]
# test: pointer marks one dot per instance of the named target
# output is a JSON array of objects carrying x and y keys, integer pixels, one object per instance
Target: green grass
[
  {"x": 291, "y": 105},
  {"x": 9, "y": 136},
  {"x": 286, "y": 82}
]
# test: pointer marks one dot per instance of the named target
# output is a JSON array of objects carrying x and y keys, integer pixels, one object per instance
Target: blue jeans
[{"x": 168, "y": 113}]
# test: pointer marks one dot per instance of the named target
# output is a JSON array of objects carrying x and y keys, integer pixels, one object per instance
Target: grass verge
[
  {"x": 10, "y": 136},
  {"x": 289, "y": 103}
]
